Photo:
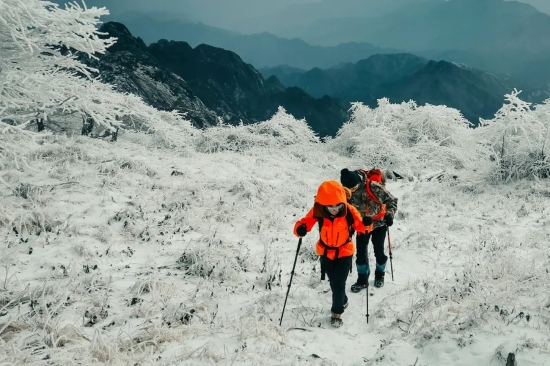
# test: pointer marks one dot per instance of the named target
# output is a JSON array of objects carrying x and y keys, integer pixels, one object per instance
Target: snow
[
  {"x": 174, "y": 246},
  {"x": 132, "y": 264}
]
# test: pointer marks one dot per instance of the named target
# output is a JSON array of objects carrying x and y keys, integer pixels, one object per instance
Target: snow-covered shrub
[
  {"x": 518, "y": 139},
  {"x": 406, "y": 137},
  {"x": 69, "y": 152},
  {"x": 257, "y": 325},
  {"x": 282, "y": 131},
  {"x": 270, "y": 273},
  {"x": 134, "y": 165},
  {"x": 33, "y": 222},
  {"x": 210, "y": 257}
]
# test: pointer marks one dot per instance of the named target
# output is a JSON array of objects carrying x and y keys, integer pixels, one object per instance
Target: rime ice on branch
[{"x": 41, "y": 45}]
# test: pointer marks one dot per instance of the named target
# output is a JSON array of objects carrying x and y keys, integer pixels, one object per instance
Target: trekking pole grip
[{"x": 291, "y": 277}]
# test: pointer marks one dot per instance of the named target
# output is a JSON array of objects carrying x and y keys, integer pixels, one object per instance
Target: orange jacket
[{"x": 334, "y": 235}]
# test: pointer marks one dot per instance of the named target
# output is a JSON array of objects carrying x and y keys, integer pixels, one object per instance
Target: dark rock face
[
  {"x": 218, "y": 77},
  {"x": 130, "y": 68},
  {"x": 207, "y": 83}
]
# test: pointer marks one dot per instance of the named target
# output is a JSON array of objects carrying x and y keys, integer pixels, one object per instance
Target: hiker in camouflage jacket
[{"x": 381, "y": 206}]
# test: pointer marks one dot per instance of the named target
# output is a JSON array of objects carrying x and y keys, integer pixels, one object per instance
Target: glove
[
  {"x": 389, "y": 219},
  {"x": 367, "y": 220},
  {"x": 301, "y": 230}
]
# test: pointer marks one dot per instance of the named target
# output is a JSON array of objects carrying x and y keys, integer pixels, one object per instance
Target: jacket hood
[{"x": 330, "y": 193}]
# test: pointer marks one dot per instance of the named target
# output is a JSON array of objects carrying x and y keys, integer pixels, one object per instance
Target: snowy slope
[{"x": 136, "y": 252}]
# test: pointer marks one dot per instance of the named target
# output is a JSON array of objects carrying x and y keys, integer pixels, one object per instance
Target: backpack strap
[
  {"x": 372, "y": 196},
  {"x": 382, "y": 212},
  {"x": 349, "y": 219},
  {"x": 367, "y": 185},
  {"x": 370, "y": 192}
]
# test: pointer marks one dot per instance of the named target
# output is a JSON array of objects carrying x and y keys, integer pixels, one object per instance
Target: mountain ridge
[
  {"x": 207, "y": 83},
  {"x": 404, "y": 77},
  {"x": 262, "y": 49}
]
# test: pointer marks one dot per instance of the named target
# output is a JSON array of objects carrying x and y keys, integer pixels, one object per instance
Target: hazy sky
[
  {"x": 241, "y": 15},
  {"x": 542, "y": 5},
  {"x": 213, "y": 12}
]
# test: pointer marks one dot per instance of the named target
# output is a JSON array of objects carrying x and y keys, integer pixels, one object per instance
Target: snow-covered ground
[
  {"x": 134, "y": 252},
  {"x": 173, "y": 246}
]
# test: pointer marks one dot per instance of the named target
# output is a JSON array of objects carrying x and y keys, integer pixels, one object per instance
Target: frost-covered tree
[
  {"x": 518, "y": 138},
  {"x": 407, "y": 137},
  {"x": 39, "y": 70},
  {"x": 41, "y": 74}
]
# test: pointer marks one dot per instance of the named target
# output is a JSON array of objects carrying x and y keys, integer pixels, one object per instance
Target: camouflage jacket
[{"x": 366, "y": 206}]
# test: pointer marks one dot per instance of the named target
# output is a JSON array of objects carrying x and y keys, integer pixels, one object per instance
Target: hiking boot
[
  {"x": 379, "y": 281},
  {"x": 336, "y": 320},
  {"x": 361, "y": 283},
  {"x": 357, "y": 287}
]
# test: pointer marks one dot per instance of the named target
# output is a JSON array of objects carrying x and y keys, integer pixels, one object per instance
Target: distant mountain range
[
  {"x": 261, "y": 50},
  {"x": 402, "y": 77},
  {"x": 492, "y": 35},
  {"x": 207, "y": 82}
]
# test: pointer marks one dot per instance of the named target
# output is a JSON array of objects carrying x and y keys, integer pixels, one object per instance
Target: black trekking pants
[
  {"x": 378, "y": 236},
  {"x": 337, "y": 271}
]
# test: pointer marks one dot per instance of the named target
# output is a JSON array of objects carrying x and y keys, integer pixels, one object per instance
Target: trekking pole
[
  {"x": 291, "y": 276},
  {"x": 367, "y": 292},
  {"x": 367, "y": 289},
  {"x": 391, "y": 254}
]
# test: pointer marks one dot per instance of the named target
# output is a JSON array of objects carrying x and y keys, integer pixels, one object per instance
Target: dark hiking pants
[
  {"x": 337, "y": 271},
  {"x": 378, "y": 237}
]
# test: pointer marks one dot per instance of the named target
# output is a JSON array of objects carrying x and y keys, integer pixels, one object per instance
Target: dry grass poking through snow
[
  {"x": 131, "y": 254},
  {"x": 143, "y": 252},
  {"x": 484, "y": 261}
]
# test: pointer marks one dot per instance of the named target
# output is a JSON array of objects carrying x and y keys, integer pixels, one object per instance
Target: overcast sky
[
  {"x": 207, "y": 11},
  {"x": 234, "y": 14}
]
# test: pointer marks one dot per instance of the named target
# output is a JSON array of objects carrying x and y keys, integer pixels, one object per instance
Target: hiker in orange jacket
[{"x": 337, "y": 221}]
